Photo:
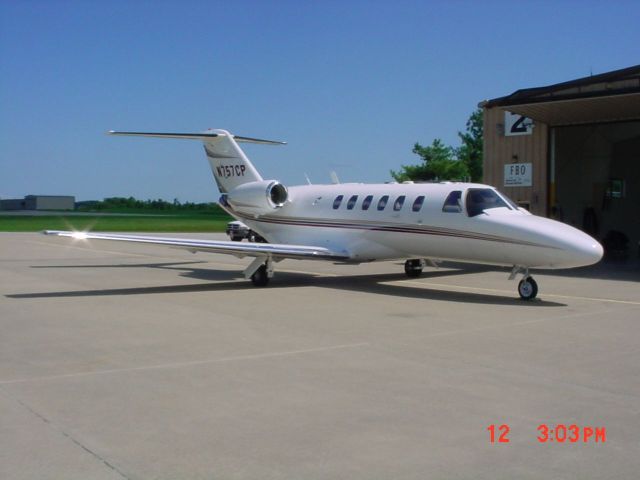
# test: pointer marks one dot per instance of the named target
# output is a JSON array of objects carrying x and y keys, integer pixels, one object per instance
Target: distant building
[
  {"x": 12, "y": 204},
  {"x": 40, "y": 202}
]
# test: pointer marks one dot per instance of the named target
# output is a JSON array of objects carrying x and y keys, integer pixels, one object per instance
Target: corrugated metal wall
[{"x": 500, "y": 150}]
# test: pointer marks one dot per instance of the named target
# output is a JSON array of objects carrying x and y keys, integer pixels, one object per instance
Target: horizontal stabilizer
[{"x": 204, "y": 136}]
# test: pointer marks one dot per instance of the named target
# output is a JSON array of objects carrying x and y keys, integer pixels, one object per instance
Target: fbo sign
[{"x": 517, "y": 175}]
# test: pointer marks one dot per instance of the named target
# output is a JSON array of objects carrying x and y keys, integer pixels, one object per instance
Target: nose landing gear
[{"x": 527, "y": 287}]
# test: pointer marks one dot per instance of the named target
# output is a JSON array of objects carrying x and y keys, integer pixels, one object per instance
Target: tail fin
[{"x": 229, "y": 164}]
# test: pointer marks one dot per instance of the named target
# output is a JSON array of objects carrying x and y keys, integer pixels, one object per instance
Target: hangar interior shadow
[
  {"x": 233, "y": 280},
  {"x": 627, "y": 270},
  {"x": 619, "y": 270}
]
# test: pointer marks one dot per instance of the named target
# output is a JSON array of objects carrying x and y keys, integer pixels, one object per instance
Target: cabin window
[
  {"x": 337, "y": 202},
  {"x": 417, "y": 204},
  {"x": 453, "y": 202},
  {"x": 481, "y": 199},
  {"x": 352, "y": 202},
  {"x": 382, "y": 203},
  {"x": 366, "y": 203},
  {"x": 397, "y": 205}
]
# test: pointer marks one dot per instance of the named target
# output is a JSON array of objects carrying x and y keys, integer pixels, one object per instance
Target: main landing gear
[
  {"x": 527, "y": 287},
  {"x": 413, "y": 268},
  {"x": 260, "y": 277},
  {"x": 260, "y": 271}
]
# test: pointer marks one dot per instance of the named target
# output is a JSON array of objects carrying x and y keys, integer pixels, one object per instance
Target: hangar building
[{"x": 571, "y": 151}]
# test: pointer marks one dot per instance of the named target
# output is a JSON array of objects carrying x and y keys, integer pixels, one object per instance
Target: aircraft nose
[
  {"x": 570, "y": 247},
  {"x": 578, "y": 248},
  {"x": 587, "y": 251}
]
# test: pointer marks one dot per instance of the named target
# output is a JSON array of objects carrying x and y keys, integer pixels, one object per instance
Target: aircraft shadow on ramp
[{"x": 225, "y": 280}]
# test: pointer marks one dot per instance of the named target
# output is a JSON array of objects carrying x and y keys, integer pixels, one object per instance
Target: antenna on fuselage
[{"x": 334, "y": 177}]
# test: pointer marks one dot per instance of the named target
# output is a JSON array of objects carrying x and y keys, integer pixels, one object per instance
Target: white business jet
[{"x": 354, "y": 223}]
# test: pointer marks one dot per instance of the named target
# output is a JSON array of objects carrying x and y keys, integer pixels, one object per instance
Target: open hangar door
[
  {"x": 594, "y": 165},
  {"x": 582, "y": 143},
  {"x": 597, "y": 182}
]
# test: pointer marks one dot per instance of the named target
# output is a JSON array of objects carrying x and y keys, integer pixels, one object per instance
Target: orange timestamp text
[{"x": 558, "y": 433}]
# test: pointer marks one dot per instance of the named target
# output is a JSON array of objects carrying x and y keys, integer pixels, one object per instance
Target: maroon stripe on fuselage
[{"x": 378, "y": 227}]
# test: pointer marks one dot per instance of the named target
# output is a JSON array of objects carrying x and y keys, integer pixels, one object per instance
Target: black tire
[
  {"x": 413, "y": 268},
  {"x": 528, "y": 288},
  {"x": 260, "y": 277},
  {"x": 236, "y": 239}
]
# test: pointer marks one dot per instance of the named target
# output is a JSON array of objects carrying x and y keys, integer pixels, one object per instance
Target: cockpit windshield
[{"x": 481, "y": 199}]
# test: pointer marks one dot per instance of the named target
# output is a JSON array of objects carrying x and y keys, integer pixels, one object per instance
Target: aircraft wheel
[
  {"x": 260, "y": 277},
  {"x": 528, "y": 288},
  {"x": 413, "y": 268},
  {"x": 236, "y": 239}
]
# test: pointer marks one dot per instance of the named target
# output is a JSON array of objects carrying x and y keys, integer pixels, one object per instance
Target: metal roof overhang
[{"x": 613, "y": 108}]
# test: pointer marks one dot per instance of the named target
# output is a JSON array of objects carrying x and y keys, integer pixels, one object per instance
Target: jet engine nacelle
[{"x": 258, "y": 198}]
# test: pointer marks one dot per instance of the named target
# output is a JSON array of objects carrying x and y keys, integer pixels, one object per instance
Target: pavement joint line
[
  {"x": 312, "y": 273},
  {"x": 403, "y": 282},
  {"x": 65, "y": 434},
  {"x": 526, "y": 322},
  {"x": 459, "y": 287},
  {"x": 186, "y": 364},
  {"x": 494, "y": 290},
  {"x": 508, "y": 371},
  {"x": 71, "y": 245},
  {"x": 288, "y": 270}
]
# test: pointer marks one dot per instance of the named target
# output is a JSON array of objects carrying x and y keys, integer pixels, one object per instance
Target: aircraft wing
[{"x": 239, "y": 249}]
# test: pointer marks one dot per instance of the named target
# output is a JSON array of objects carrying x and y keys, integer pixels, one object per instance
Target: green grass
[{"x": 155, "y": 222}]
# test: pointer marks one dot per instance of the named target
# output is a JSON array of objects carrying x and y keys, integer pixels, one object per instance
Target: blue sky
[{"x": 350, "y": 85}]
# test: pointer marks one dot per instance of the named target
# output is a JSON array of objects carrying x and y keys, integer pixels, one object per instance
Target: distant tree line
[
  {"x": 443, "y": 162},
  {"x": 130, "y": 203}
]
